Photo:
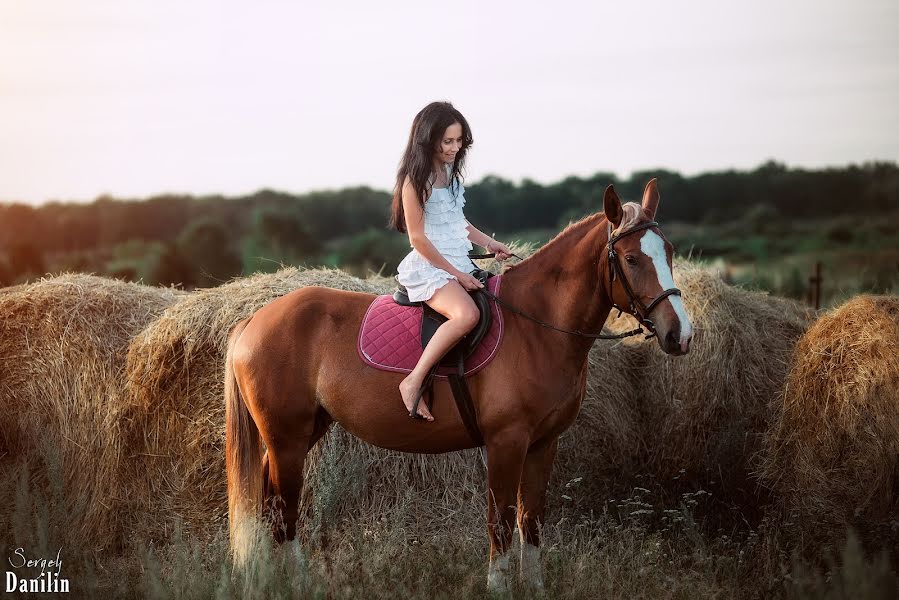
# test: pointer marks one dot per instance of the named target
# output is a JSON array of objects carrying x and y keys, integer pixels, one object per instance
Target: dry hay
[
  {"x": 637, "y": 397},
  {"x": 175, "y": 371},
  {"x": 831, "y": 452},
  {"x": 699, "y": 418},
  {"x": 641, "y": 413},
  {"x": 63, "y": 342}
]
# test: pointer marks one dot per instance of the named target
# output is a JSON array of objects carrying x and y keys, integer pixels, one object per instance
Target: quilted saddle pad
[{"x": 390, "y": 336}]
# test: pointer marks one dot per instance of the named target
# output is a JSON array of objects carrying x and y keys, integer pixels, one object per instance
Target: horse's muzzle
[{"x": 672, "y": 343}]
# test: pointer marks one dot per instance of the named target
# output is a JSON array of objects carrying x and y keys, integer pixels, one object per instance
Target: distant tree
[
  {"x": 209, "y": 250},
  {"x": 6, "y": 277},
  {"x": 279, "y": 236},
  {"x": 74, "y": 227},
  {"x": 134, "y": 260},
  {"x": 794, "y": 285},
  {"x": 127, "y": 273},
  {"x": 328, "y": 215},
  {"x": 160, "y": 218},
  {"x": 172, "y": 268},
  {"x": 373, "y": 250},
  {"x": 286, "y": 233},
  {"x": 272, "y": 227},
  {"x": 758, "y": 217},
  {"x": 841, "y": 234},
  {"x": 78, "y": 262},
  {"x": 491, "y": 204},
  {"x": 25, "y": 260},
  {"x": 21, "y": 223}
]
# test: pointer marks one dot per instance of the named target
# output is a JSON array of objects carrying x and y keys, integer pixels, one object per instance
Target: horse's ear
[
  {"x": 611, "y": 203},
  {"x": 651, "y": 198}
]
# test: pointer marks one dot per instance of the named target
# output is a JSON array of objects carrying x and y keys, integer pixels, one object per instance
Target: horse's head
[{"x": 639, "y": 276}]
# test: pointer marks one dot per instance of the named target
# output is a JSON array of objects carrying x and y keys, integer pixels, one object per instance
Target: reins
[{"x": 614, "y": 270}]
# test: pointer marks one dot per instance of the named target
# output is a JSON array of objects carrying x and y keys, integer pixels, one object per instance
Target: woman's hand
[
  {"x": 468, "y": 281},
  {"x": 501, "y": 250}
]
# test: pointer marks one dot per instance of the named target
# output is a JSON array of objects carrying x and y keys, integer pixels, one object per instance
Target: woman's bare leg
[{"x": 454, "y": 303}]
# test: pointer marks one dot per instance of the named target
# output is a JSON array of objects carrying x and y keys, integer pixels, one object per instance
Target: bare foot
[{"x": 409, "y": 389}]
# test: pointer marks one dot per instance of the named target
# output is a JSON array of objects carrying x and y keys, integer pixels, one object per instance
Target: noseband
[{"x": 637, "y": 308}]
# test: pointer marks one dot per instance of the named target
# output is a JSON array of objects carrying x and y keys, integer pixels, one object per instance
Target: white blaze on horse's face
[{"x": 653, "y": 246}]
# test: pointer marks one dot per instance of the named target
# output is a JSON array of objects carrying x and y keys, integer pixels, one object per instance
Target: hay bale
[
  {"x": 174, "y": 377},
  {"x": 832, "y": 452},
  {"x": 637, "y": 398},
  {"x": 166, "y": 415},
  {"x": 62, "y": 353},
  {"x": 601, "y": 445},
  {"x": 700, "y": 417}
]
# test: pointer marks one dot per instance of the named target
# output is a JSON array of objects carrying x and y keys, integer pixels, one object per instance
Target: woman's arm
[
  {"x": 476, "y": 236},
  {"x": 480, "y": 238}
]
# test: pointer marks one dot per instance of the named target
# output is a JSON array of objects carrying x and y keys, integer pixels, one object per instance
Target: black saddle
[
  {"x": 455, "y": 356},
  {"x": 432, "y": 320}
]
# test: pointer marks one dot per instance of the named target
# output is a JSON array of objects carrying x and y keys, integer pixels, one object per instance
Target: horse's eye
[{"x": 631, "y": 259}]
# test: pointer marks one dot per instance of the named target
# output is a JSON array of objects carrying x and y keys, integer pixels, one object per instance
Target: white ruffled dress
[{"x": 445, "y": 226}]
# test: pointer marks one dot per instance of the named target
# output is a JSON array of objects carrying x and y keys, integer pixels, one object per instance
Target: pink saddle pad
[{"x": 390, "y": 336}]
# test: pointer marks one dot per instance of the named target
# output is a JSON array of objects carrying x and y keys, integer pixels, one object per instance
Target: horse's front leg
[
  {"x": 505, "y": 458},
  {"x": 538, "y": 466}
]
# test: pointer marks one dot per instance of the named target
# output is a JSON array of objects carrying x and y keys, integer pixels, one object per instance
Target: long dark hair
[{"x": 428, "y": 128}]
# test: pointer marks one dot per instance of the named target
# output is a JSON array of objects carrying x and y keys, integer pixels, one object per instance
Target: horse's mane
[
  {"x": 632, "y": 212},
  {"x": 584, "y": 224}
]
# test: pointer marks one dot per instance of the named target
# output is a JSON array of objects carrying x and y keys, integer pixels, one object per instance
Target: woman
[{"x": 427, "y": 204}]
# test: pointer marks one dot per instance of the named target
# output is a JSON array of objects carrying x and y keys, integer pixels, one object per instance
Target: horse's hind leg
[
  {"x": 283, "y": 465},
  {"x": 285, "y": 485},
  {"x": 266, "y": 485}
]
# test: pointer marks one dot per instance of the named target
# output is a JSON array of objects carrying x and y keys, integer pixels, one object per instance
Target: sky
[{"x": 134, "y": 98}]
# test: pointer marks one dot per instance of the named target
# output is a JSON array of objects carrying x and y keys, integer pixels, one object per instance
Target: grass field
[{"x": 637, "y": 549}]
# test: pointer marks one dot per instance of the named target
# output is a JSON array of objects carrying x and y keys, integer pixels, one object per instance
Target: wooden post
[{"x": 814, "y": 290}]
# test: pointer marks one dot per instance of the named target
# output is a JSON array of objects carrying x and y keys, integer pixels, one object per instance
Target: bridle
[{"x": 639, "y": 310}]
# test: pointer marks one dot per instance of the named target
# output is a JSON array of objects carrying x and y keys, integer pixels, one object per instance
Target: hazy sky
[{"x": 139, "y": 97}]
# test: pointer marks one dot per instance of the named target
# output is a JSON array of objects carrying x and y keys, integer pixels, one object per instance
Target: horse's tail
[{"x": 243, "y": 462}]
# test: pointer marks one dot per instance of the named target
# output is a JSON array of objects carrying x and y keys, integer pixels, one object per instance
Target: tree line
[{"x": 203, "y": 241}]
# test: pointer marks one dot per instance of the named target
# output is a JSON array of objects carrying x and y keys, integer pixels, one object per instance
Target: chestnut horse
[{"x": 292, "y": 368}]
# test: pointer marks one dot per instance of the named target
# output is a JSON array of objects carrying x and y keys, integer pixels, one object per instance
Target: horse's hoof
[{"x": 497, "y": 576}]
